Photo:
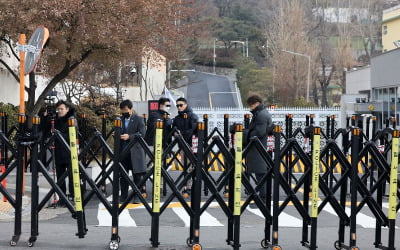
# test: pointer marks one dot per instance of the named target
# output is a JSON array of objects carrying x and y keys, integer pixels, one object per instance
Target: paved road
[
  {"x": 57, "y": 228},
  {"x": 59, "y": 232},
  {"x": 205, "y": 90}
]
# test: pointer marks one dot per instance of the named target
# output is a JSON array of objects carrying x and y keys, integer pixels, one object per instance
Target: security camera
[{"x": 132, "y": 71}]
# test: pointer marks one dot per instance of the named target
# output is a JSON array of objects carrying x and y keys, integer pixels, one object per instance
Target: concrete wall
[
  {"x": 385, "y": 71},
  {"x": 358, "y": 80}
]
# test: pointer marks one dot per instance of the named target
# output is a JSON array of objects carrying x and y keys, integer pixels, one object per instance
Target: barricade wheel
[
  {"x": 196, "y": 247},
  {"x": 276, "y": 248},
  {"x": 264, "y": 244},
  {"x": 119, "y": 239},
  {"x": 31, "y": 241},
  {"x": 189, "y": 242},
  {"x": 355, "y": 248},
  {"x": 337, "y": 245},
  {"x": 14, "y": 240},
  {"x": 114, "y": 245}
]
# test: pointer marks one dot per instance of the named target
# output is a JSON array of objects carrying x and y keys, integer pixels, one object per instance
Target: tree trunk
[
  {"x": 324, "y": 99},
  {"x": 315, "y": 93}
]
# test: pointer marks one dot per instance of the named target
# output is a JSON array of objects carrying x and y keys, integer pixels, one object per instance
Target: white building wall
[
  {"x": 9, "y": 88},
  {"x": 154, "y": 76},
  {"x": 358, "y": 80}
]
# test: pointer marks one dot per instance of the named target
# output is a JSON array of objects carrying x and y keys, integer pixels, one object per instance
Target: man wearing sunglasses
[
  {"x": 185, "y": 123},
  {"x": 186, "y": 126},
  {"x": 164, "y": 104}
]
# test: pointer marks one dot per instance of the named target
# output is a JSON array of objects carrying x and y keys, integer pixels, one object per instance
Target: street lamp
[
  {"x": 214, "y": 56},
  {"x": 308, "y": 72}
]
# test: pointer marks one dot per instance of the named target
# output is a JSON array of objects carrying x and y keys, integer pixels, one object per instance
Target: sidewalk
[{"x": 7, "y": 211}]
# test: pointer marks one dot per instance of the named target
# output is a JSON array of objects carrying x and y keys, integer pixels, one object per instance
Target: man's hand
[{"x": 125, "y": 137}]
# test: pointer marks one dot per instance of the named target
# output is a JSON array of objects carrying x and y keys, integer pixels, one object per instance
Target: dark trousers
[
  {"x": 61, "y": 168},
  {"x": 262, "y": 191},
  {"x": 137, "y": 177}
]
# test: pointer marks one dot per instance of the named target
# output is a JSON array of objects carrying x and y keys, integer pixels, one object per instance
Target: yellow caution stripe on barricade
[{"x": 75, "y": 168}]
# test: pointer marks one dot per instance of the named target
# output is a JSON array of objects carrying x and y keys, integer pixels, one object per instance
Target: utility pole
[{"x": 214, "y": 56}]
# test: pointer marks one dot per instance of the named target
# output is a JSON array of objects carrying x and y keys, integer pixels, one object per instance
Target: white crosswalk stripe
[
  {"x": 210, "y": 219},
  {"x": 206, "y": 219},
  {"x": 104, "y": 218},
  {"x": 285, "y": 220}
]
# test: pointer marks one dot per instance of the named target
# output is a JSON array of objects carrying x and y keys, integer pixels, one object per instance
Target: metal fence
[{"x": 216, "y": 116}]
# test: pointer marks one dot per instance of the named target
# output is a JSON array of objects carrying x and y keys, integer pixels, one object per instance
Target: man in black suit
[
  {"x": 164, "y": 104},
  {"x": 135, "y": 161}
]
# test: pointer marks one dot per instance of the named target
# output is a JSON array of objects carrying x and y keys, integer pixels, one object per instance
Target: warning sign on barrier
[
  {"x": 270, "y": 143},
  {"x": 381, "y": 148},
  {"x": 195, "y": 143},
  {"x": 307, "y": 146}
]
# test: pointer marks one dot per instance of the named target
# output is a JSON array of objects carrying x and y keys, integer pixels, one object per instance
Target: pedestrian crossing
[{"x": 133, "y": 216}]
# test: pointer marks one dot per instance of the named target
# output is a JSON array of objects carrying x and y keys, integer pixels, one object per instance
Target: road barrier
[{"x": 335, "y": 163}]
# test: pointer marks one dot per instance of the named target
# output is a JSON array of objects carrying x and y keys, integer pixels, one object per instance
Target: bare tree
[
  {"x": 82, "y": 30},
  {"x": 288, "y": 32}
]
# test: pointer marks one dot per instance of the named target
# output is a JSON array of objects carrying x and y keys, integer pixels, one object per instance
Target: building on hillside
[
  {"x": 391, "y": 28},
  {"x": 343, "y": 15}
]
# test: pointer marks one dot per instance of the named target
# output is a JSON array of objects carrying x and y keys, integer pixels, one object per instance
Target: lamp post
[
  {"x": 214, "y": 56},
  {"x": 308, "y": 71}
]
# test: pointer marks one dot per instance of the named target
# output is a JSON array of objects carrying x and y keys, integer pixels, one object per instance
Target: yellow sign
[
  {"x": 315, "y": 175},
  {"x": 238, "y": 173},
  {"x": 75, "y": 169},
  {"x": 371, "y": 107},
  {"x": 393, "y": 179},
  {"x": 157, "y": 170}
]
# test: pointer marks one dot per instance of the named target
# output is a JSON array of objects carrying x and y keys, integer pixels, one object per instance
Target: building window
[{"x": 385, "y": 30}]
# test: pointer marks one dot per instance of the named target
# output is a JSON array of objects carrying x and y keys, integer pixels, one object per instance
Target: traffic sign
[{"x": 34, "y": 47}]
